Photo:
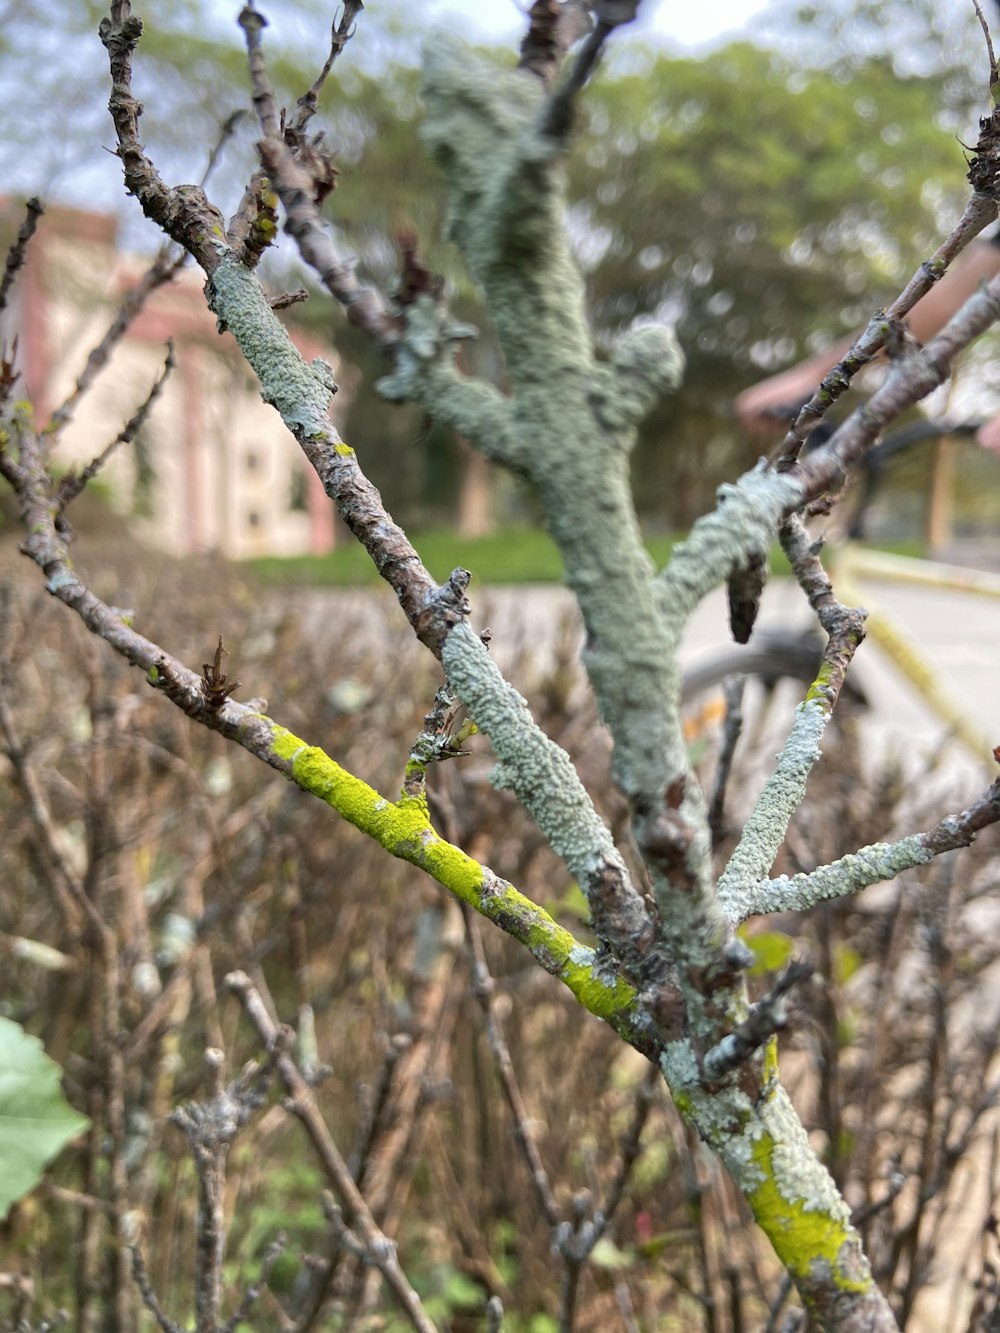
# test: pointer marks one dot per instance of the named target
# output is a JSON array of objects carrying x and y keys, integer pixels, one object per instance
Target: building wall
[{"x": 223, "y": 472}]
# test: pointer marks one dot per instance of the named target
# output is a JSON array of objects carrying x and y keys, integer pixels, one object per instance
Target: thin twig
[
  {"x": 989, "y": 40},
  {"x": 862, "y": 1215},
  {"x": 341, "y": 32},
  {"x": 183, "y": 213},
  {"x": 844, "y": 625},
  {"x": 285, "y": 299},
  {"x": 980, "y": 211},
  {"x": 265, "y": 104},
  {"x": 15, "y": 255},
  {"x": 226, "y": 132},
  {"x": 768, "y": 1016},
  {"x": 253, "y": 1293},
  {"x": 631, "y": 1142},
  {"x": 778, "y": 1304},
  {"x": 553, "y": 27},
  {"x": 149, "y": 1298},
  {"x": 379, "y": 1249},
  {"x": 609, "y": 14},
  {"x": 732, "y": 692},
  {"x": 67, "y": 885},
  {"x": 484, "y": 989},
  {"x": 73, "y": 483},
  {"x": 559, "y": 113},
  {"x": 295, "y": 185},
  {"x": 162, "y": 270},
  {"x": 377, "y": 1103}
]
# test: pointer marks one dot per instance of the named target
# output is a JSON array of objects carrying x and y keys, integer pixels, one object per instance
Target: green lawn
[{"x": 517, "y": 555}]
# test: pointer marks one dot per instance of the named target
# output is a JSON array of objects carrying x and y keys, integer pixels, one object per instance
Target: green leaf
[
  {"x": 606, "y": 1254},
  {"x": 846, "y": 961},
  {"x": 542, "y": 1323},
  {"x": 461, "y": 1293},
  {"x": 771, "y": 950},
  {"x": 36, "y": 1121}
]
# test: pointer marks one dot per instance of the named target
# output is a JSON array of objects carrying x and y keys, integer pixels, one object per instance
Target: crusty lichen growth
[
  {"x": 765, "y": 1149},
  {"x": 574, "y": 420},
  {"x": 782, "y": 795},
  {"x": 539, "y": 772},
  {"x": 744, "y": 524},
  {"x": 300, "y": 392},
  {"x": 841, "y": 878}
]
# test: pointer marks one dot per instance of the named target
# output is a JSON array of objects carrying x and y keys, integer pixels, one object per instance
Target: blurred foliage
[
  {"x": 926, "y": 38},
  {"x": 768, "y": 210},
  {"x": 766, "y": 199}
]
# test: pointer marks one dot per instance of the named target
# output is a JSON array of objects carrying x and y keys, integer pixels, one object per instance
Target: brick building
[{"x": 214, "y": 467}]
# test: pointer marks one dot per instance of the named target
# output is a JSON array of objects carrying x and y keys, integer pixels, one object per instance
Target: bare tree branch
[
  {"x": 162, "y": 270},
  {"x": 15, "y": 256},
  {"x": 341, "y": 32},
  {"x": 869, "y": 865},
  {"x": 732, "y": 727},
  {"x": 184, "y": 213},
  {"x": 483, "y": 988},
  {"x": 608, "y": 15},
  {"x": 73, "y": 482},
  {"x": 979, "y": 212},
  {"x": 296, "y": 185},
  {"x": 149, "y": 1297},
  {"x": 767, "y": 1017},
  {"x": 379, "y": 1249},
  {"x": 553, "y": 27},
  {"x": 911, "y": 378}
]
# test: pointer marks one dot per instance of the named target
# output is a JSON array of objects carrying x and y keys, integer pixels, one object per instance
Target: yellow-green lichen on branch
[
  {"x": 404, "y": 829},
  {"x": 810, "y": 1238},
  {"x": 793, "y": 1197},
  {"x": 818, "y": 691}
]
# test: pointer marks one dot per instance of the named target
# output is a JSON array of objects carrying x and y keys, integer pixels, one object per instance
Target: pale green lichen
[
  {"x": 507, "y": 185},
  {"x": 299, "y": 392},
  {"x": 798, "y": 1205},
  {"x": 539, "y": 772},
  {"x": 63, "y": 578},
  {"x": 646, "y": 363},
  {"x": 744, "y": 524},
  {"x": 850, "y": 874},
  {"x": 781, "y": 796},
  {"x": 765, "y": 1149}
]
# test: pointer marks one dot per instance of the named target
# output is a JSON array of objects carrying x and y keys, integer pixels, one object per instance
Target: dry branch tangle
[{"x": 673, "y": 981}]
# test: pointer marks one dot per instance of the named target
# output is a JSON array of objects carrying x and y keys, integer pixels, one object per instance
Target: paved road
[{"x": 959, "y": 633}]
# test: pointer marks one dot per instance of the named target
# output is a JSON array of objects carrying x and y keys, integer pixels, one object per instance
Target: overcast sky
[
  {"x": 679, "y": 23},
  {"x": 682, "y": 24}
]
